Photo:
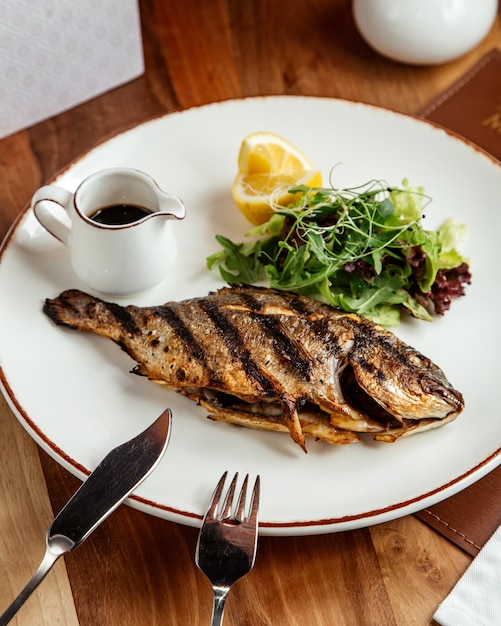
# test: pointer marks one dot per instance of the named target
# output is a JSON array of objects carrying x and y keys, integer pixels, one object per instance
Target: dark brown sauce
[{"x": 119, "y": 214}]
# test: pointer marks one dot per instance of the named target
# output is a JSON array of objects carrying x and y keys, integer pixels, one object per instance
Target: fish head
[{"x": 406, "y": 384}]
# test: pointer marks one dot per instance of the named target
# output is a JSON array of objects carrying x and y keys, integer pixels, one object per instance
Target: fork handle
[{"x": 220, "y": 595}]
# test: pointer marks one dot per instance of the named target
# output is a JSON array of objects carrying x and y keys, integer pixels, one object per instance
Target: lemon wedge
[{"x": 268, "y": 165}]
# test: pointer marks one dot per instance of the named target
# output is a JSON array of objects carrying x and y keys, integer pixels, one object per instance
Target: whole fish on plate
[{"x": 275, "y": 360}]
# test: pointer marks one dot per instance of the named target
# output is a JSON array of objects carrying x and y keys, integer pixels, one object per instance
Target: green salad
[{"x": 362, "y": 249}]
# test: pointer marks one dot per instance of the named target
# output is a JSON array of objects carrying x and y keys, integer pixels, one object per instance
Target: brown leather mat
[
  {"x": 471, "y": 516},
  {"x": 471, "y": 107}
]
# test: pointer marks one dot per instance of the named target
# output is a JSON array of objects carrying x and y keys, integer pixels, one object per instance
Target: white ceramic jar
[{"x": 424, "y": 32}]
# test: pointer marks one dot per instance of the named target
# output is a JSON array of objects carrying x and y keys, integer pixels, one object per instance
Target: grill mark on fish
[
  {"x": 182, "y": 331},
  {"x": 288, "y": 300},
  {"x": 285, "y": 344},
  {"x": 123, "y": 317},
  {"x": 371, "y": 368},
  {"x": 235, "y": 344},
  {"x": 251, "y": 302},
  {"x": 320, "y": 328},
  {"x": 298, "y": 305}
]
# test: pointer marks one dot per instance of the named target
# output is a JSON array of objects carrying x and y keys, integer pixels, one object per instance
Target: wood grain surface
[{"x": 138, "y": 570}]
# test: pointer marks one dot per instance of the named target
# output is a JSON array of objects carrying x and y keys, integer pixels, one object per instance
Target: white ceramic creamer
[{"x": 117, "y": 226}]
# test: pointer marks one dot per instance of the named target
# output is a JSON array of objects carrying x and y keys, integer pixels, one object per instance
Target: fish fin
[{"x": 293, "y": 423}]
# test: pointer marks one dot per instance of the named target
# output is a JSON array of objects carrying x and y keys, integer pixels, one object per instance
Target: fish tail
[{"x": 81, "y": 311}]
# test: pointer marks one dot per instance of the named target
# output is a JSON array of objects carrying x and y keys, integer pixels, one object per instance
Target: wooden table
[{"x": 139, "y": 570}]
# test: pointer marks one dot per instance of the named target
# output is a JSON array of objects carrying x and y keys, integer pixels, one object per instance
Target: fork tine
[
  {"x": 239, "y": 511},
  {"x": 254, "y": 504},
  {"x": 216, "y": 497},
  {"x": 228, "y": 501}
]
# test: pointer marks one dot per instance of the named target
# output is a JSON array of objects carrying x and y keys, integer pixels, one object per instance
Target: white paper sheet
[
  {"x": 56, "y": 54},
  {"x": 476, "y": 599}
]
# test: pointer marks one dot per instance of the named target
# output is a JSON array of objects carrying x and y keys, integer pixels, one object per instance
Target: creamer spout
[{"x": 170, "y": 206}]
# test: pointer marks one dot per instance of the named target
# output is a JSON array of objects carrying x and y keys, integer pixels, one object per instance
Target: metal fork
[{"x": 227, "y": 543}]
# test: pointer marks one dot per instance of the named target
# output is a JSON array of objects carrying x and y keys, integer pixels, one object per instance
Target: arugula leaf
[{"x": 238, "y": 263}]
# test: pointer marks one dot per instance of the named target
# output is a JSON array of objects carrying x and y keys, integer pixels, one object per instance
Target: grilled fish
[{"x": 274, "y": 360}]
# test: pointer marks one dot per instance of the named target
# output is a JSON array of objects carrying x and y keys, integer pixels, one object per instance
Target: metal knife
[{"x": 115, "y": 478}]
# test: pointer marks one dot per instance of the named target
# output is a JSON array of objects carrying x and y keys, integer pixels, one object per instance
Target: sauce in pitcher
[{"x": 119, "y": 214}]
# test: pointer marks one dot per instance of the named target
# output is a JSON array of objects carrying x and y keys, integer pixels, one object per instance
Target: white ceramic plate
[{"x": 74, "y": 394}]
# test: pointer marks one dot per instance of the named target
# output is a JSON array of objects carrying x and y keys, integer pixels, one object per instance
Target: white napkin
[
  {"x": 56, "y": 54},
  {"x": 476, "y": 598}
]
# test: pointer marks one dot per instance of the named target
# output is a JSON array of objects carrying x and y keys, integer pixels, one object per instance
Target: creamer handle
[{"x": 47, "y": 202}]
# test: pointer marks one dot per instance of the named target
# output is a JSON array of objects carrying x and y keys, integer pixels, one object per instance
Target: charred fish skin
[{"x": 275, "y": 360}]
